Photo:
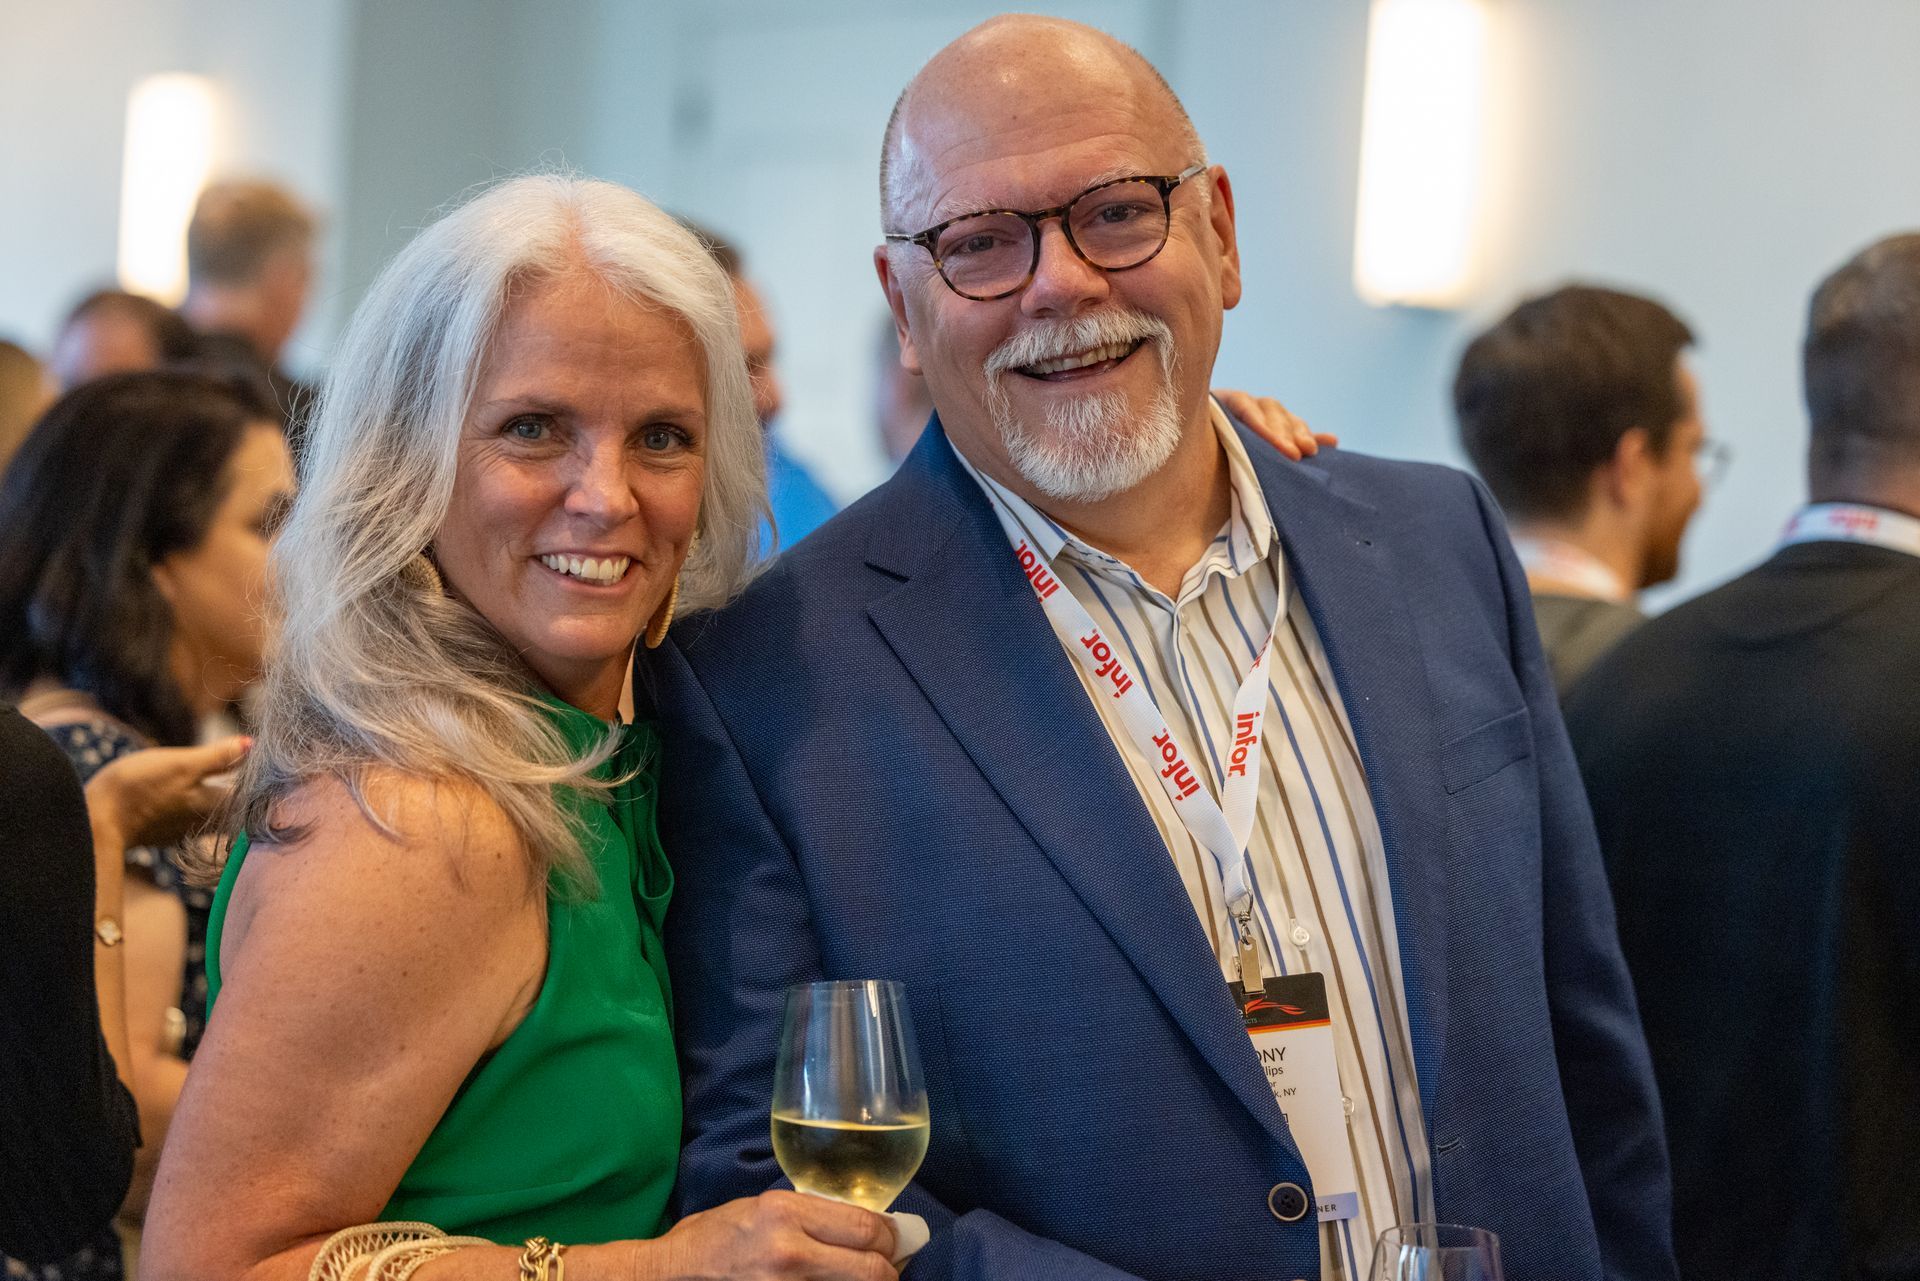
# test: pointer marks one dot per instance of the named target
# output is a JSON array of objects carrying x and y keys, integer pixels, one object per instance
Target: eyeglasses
[
  {"x": 1711, "y": 458},
  {"x": 1112, "y": 225}
]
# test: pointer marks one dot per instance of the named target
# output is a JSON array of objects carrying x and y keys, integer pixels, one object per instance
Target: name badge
[{"x": 1292, "y": 1034}]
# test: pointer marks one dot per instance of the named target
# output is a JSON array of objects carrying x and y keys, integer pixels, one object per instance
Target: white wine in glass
[
  {"x": 1436, "y": 1252},
  {"x": 849, "y": 1106}
]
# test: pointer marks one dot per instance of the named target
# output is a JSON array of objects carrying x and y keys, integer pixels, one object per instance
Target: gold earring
[
  {"x": 663, "y": 619},
  {"x": 425, "y": 575}
]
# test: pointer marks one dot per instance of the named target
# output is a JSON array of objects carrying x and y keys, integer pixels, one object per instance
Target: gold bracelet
[
  {"x": 543, "y": 1260},
  {"x": 349, "y": 1249},
  {"x": 399, "y": 1262}
]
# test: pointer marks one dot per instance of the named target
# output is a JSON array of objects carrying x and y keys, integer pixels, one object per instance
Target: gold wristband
[
  {"x": 401, "y": 1261},
  {"x": 543, "y": 1260},
  {"x": 382, "y": 1251}
]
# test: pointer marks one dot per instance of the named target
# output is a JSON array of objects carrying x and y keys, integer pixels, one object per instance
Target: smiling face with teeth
[
  {"x": 1085, "y": 381},
  {"x": 578, "y": 483}
]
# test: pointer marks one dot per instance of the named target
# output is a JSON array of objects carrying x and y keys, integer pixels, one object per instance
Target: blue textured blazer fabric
[{"x": 880, "y": 764}]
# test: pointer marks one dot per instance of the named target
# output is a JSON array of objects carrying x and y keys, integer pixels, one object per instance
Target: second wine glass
[
  {"x": 850, "y": 1117},
  {"x": 1436, "y": 1252}
]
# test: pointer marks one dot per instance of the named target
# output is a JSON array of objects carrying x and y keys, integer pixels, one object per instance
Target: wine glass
[
  {"x": 849, "y": 1105},
  {"x": 1436, "y": 1252}
]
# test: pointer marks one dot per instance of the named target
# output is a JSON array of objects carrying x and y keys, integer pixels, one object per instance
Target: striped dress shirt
[{"x": 1321, "y": 899}]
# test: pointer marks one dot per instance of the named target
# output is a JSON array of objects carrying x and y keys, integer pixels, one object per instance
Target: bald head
[
  {"x": 1013, "y": 66},
  {"x": 1082, "y": 381}
]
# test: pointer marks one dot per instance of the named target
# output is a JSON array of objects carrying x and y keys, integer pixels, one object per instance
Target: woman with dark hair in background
[{"x": 134, "y": 525}]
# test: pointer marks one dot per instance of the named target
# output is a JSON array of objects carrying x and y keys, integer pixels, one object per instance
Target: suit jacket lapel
[
  {"x": 969, "y": 631},
  {"x": 1336, "y": 551}
]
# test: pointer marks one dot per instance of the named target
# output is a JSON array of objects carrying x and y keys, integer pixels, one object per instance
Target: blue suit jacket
[{"x": 879, "y": 763}]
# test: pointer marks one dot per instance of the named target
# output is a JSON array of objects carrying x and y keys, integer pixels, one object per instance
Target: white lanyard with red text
[
  {"x": 1854, "y": 523},
  {"x": 1222, "y": 828}
]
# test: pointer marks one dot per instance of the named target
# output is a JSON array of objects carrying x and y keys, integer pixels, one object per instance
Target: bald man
[{"x": 1213, "y": 808}]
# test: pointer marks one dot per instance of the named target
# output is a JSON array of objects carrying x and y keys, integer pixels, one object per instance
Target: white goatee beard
[{"x": 1089, "y": 447}]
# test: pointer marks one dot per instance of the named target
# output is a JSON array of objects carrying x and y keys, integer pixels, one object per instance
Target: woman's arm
[
  {"x": 363, "y": 975},
  {"x": 109, "y": 921},
  {"x": 147, "y": 797},
  {"x": 155, "y": 957}
]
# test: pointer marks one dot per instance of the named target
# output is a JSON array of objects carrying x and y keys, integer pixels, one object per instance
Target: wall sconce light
[
  {"x": 168, "y": 159},
  {"x": 1420, "y": 145}
]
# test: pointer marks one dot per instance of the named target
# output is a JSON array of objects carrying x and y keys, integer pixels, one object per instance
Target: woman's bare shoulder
[
  {"x": 440, "y": 850},
  {"x": 407, "y": 830}
]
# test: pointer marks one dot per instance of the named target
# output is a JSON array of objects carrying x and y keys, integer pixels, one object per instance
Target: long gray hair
[{"x": 372, "y": 666}]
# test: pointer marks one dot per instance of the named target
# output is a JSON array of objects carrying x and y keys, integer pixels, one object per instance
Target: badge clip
[{"x": 1251, "y": 979}]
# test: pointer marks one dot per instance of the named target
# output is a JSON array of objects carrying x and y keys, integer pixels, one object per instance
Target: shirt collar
[
  {"x": 1251, "y": 520},
  {"x": 1247, "y": 537},
  {"x": 1554, "y": 563}
]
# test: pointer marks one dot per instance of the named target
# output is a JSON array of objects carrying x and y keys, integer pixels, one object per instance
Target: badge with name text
[{"x": 1293, "y": 1036}]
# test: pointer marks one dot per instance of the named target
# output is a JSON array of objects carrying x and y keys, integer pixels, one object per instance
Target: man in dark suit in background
[
  {"x": 1753, "y": 759},
  {"x": 943, "y": 741}
]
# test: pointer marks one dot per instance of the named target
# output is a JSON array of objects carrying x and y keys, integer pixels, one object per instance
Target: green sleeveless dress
[{"x": 571, "y": 1128}]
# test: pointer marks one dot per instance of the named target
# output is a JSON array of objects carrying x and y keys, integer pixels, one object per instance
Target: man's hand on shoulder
[{"x": 1274, "y": 423}]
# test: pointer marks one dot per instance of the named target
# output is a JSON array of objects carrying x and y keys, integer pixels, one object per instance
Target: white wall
[
  {"x": 1721, "y": 154},
  {"x": 447, "y": 94},
  {"x": 65, "y": 69}
]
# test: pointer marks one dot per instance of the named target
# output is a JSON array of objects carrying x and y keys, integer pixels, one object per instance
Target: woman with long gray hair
[{"x": 443, "y": 1042}]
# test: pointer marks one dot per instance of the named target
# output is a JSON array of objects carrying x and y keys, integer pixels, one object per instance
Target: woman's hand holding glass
[
  {"x": 850, "y": 1128},
  {"x": 850, "y": 1117},
  {"x": 776, "y": 1236}
]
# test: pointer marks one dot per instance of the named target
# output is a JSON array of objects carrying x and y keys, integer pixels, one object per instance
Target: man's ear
[
  {"x": 897, "y": 302},
  {"x": 1220, "y": 214},
  {"x": 1629, "y": 472}
]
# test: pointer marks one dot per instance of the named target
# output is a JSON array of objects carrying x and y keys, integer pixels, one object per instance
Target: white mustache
[{"x": 1053, "y": 339}]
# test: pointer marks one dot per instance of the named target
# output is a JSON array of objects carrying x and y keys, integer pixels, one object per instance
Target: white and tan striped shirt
[{"x": 1321, "y": 897}]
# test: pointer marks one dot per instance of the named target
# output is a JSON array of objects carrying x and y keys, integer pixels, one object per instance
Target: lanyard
[
  {"x": 1854, "y": 523},
  {"x": 1221, "y": 828},
  {"x": 1551, "y": 560}
]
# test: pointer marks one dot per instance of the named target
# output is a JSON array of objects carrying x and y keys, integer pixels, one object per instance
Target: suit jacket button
[{"x": 1288, "y": 1201}]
